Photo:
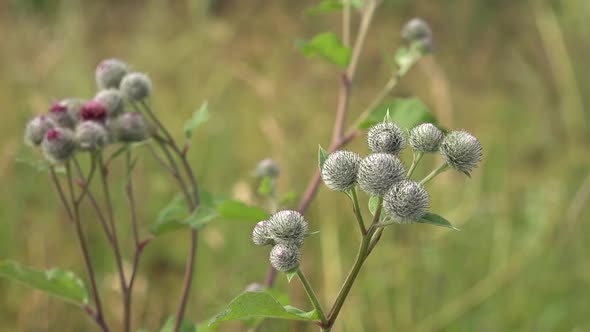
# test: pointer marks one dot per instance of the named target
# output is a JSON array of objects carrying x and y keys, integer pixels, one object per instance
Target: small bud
[
  {"x": 287, "y": 227},
  {"x": 60, "y": 114},
  {"x": 136, "y": 86},
  {"x": 285, "y": 257},
  {"x": 109, "y": 73},
  {"x": 406, "y": 202},
  {"x": 58, "y": 145},
  {"x": 93, "y": 110},
  {"x": 461, "y": 150},
  {"x": 113, "y": 101},
  {"x": 378, "y": 172},
  {"x": 340, "y": 170},
  {"x": 416, "y": 29},
  {"x": 425, "y": 138},
  {"x": 91, "y": 136},
  {"x": 386, "y": 137},
  {"x": 129, "y": 127},
  {"x": 37, "y": 128},
  {"x": 267, "y": 167},
  {"x": 260, "y": 235}
]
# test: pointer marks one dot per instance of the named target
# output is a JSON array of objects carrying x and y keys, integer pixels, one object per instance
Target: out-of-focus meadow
[{"x": 514, "y": 73}]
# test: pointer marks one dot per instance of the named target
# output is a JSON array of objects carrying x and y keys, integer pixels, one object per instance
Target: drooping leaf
[
  {"x": 405, "y": 112},
  {"x": 322, "y": 156},
  {"x": 260, "y": 304},
  {"x": 176, "y": 214},
  {"x": 56, "y": 282},
  {"x": 186, "y": 326},
  {"x": 435, "y": 219},
  {"x": 199, "y": 117},
  {"x": 232, "y": 209},
  {"x": 327, "y": 46}
]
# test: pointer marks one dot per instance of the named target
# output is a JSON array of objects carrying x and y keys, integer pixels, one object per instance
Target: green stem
[
  {"x": 357, "y": 211},
  {"x": 417, "y": 156},
  {"x": 434, "y": 173},
  {"x": 312, "y": 297}
]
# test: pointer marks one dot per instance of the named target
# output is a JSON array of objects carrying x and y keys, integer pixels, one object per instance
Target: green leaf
[
  {"x": 176, "y": 215},
  {"x": 435, "y": 219},
  {"x": 56, "y": 282},
  {"x": 260, "y": 304},
  {"x": 186, "y": 326},
  {"x": 327, "y": 46},
  {"x": 373, "y": 203},
  {"x": 405, "y": 112},
  {"x": 290, "y": 275},
  {"x": 266, "y": 186},
  {"x": 232, "y": 209},
  {"x": 322, "y": 156},
  {"x": 199, "y": 117},
  {"x": 405, "y": 58},
  {"x": 329, "y": 6}
]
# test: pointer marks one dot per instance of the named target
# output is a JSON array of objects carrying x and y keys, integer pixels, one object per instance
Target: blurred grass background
[{"x": 514, "y": 73}]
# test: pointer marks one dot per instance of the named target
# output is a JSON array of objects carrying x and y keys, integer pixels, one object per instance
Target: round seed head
[
  {"x": 91, "y": 136},
  {"x": 406, "y": 202},
  {"x": 129, "y": 127},
  {"x": 425, "y": 138},
  {"x": 416, "y": 29},
  {"x": 136, "y": 86},
  {"x": 260, "y": 235},
  {"x": 93, "y": 110},
  {"x": 386, "y": 137},
  {"x": 58, "y": 145},
  {"x": 340, "y": 170},
  {"x": 37, "y": 128},
  {"x": 378, "y": 172},
  {"x": 285, "y": 257},
  {"x": 110, "y": 72},
  {"x": 287, "y": 227},
  {"x": 267, "y": 167},
  {"x": 60, "y": 114},
  {"x": 112, "y": 99},
  {"x": 461, "y": 150}
]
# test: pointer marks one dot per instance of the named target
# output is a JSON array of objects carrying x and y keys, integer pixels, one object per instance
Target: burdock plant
[{"x": 394, "y": 196}]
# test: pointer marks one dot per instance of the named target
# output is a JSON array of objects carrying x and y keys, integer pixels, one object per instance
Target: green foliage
[
  {"x": 186, "y": 326},
  {"x": 405, "y": 112},
  {"x": 176, "y": 215},
  {"x": 405, "y": 58},
  {"x": 232, "y": 209},
  {"x": 322, "y": 156},
  {"x": 260, "y": 304},
  {"x": 266, "y": 186},
  {"x": 329, "y": 6},
  {"x": 328, "y": 47},
  {"x": 199, "y": 117},
  {"x": 55, "y": 282},
  {"x": 435, "y": 219}
]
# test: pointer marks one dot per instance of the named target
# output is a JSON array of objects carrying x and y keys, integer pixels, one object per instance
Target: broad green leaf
[
  {"x": 260, "y": 304},
  {"x": 199, "y": 117},
  {"x": 435, "y": 219},
  {"x": 373, "y": 203},
  {"x": 186, "y": 326},
  {"x": 405, "y": 112},
  {"x": 328, "y": 6},
  {"x": 322, "y": 156},
  {"x": 327, "y": 46},
  {"x": 56, "y": 282},
  {"x": 232, "y": 209},
  {"x": 176, "y": 214}
]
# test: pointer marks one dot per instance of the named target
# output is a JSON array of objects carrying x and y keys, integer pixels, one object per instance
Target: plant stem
[
  {"x": 416, "y": 157},
  {"x": 115, "y": 242},
  {"x": 312, "y": 297},
  {"x": 357, "y": 211},
  {"x": 74, "y": 214},
  {"x": 434, "y": 173}
]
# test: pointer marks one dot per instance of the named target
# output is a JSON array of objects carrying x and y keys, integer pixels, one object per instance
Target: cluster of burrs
[
  {"x": 383, "y": 174},
  {"x": 76, "y": 124},
  {"x": 285, "y": 231}
]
